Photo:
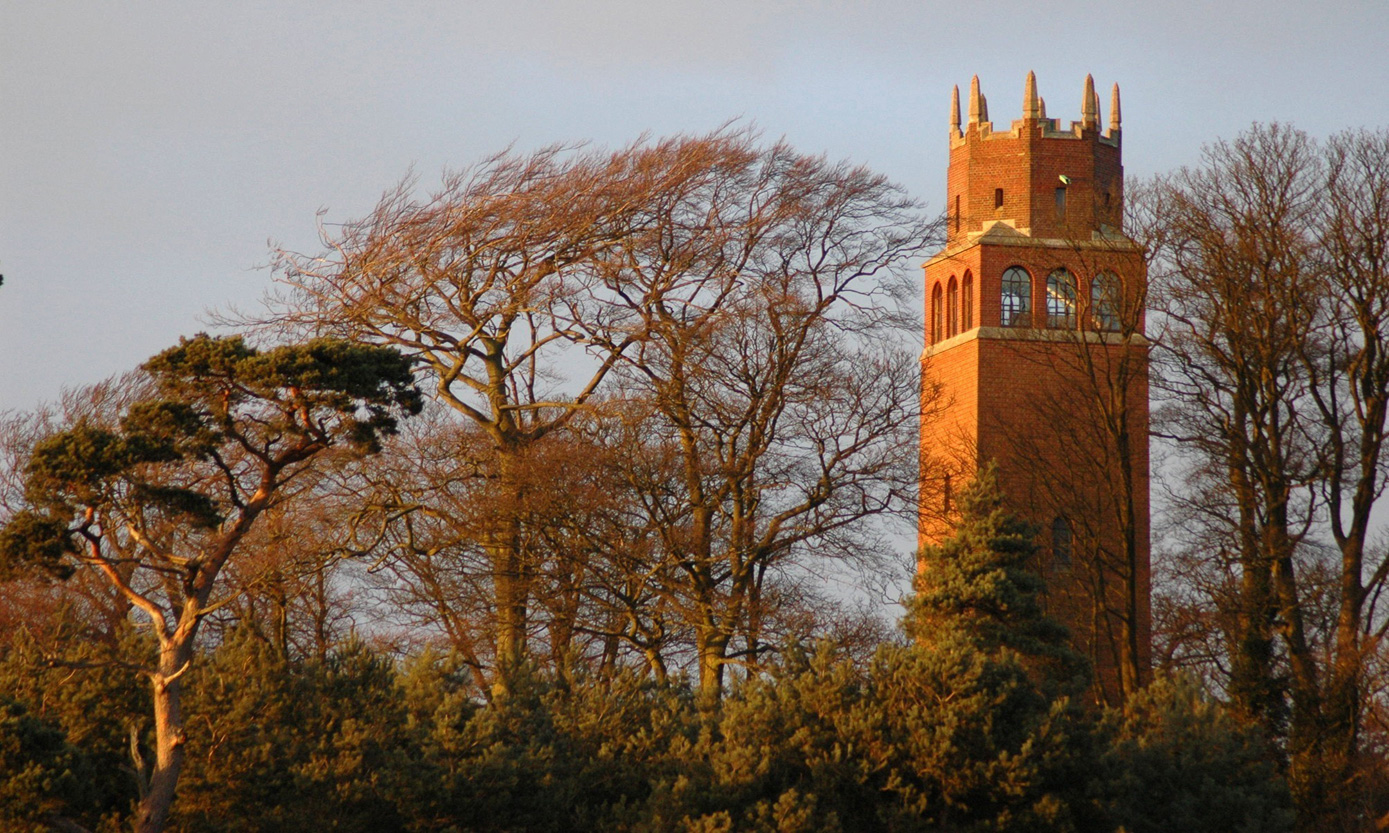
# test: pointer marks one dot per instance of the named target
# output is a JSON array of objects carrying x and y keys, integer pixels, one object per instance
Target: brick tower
[{"x": 1036, "y": 360}]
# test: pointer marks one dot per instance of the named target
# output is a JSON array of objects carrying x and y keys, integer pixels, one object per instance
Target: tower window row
[
  {"x": 952, "y": 308},
  {"x": 952, "y": 313}
]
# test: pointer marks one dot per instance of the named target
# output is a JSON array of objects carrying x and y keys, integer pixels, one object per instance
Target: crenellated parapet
[
  {"x": 1034, "y": 114},
  {"x": 1070, "y": 182}
]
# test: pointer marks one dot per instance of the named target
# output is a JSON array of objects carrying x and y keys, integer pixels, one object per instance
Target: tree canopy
[{"x": 528, "y": 504}]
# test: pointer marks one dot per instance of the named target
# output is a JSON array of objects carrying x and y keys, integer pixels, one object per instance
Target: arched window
[
  {"x": 937, "y": 319},
  {"x": 1104, "y": 302},
  {"x": 952, "y": 309},
  {"x": 1061, "y": 300},
  {"x": 967, "y": 303},
  {"x": 1017, "y": 297},
  {"x": 1061, "y": 542}
]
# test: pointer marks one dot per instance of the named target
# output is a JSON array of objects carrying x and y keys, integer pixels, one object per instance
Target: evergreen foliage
[
  {"x": 81, "y": 696},
  {"x": 922, "y": 737},
  {"x": 44, "y": 773},
  {"x": 1183, "y": 762},
  {"x": 295, "y": 743},
  {"x": 981, "y": 586},
  {"x": 968, "y": 726}
]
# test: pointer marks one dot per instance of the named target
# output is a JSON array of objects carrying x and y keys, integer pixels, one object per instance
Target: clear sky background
[{"x": 149, "y": 151}]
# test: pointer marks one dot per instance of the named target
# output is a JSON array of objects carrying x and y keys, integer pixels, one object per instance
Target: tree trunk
[
  {"x": 1308, "y": 770},
  {"x": 152, "y": 814},
  {"x": 511, "y": 614},
  {"x": 1345, "y": 687},
  {"x": 510, "y": 571},
  {"x": 711, "y": 646},
  {"x": 1132, "y": 669},
  {"x": 1253, "y": 686}
]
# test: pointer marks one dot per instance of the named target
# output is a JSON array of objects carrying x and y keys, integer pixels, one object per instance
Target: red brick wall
[
  {"x": 1029, "y": 399},
  {"x": 1027, "y": 162}
]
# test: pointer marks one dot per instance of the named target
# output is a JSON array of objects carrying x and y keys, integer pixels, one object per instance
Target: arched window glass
[
  {"x": 1017, "y": 297},
  {"x": 1061, "y": 300},
  {"x": 967, "y": 302},
  {"x": 952, "y": 308},
  {"x": 1061, "y": 542},
  {"x": 1104, "y": 302},
  {"x": 937, "y": 319}
]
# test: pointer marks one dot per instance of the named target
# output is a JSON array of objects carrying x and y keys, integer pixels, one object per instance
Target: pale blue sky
[{"x": 148, "y": 151}]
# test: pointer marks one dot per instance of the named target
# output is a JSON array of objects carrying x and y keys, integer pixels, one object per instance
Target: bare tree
[
  {"x": 294, "y": 588},
  {"x": 1276, "y": 311},
  {"x": 769, "y": 374},
  {"x": 738, "y": 290},
  {"x": 1240, "y": 304},
  {"x": 510, "y": 272},
  {"x": 1349, "y": 371},
  {"x": 424, "y": 509}
]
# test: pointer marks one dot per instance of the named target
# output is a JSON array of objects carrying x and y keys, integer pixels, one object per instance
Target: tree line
[
  {"x": 973, "y": 724},
  {"x": 1271, "y": 286},
  {"x": 521, "y": 506}
]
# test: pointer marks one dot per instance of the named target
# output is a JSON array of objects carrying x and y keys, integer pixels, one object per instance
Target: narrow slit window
[
  {"x": 952, "y": 309},
  {"x": 967, "y": 303},
  {"x": 1061, "y": 203},
  {"x": 937, "y": 319},
  {"x": 998, "y": 198},
  {"x": 956, "y": 219}
]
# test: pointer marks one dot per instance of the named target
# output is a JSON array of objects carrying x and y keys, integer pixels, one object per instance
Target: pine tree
[{"x": 980, "y": 587}]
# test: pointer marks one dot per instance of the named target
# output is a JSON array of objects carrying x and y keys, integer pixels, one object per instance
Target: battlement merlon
[{"x": 1035, "y": 110}]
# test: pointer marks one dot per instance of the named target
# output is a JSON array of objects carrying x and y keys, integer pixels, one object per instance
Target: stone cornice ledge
[
  {"x": 1099, "y": 242},
  {"x": 1033, "y": 334}
]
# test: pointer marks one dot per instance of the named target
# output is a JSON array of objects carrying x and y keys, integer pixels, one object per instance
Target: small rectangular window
[
  {"x": 957, "y": 212},
  {"x": 1061, "y": 542},
  {"x": 1061, "y": 203},
  {"x": 998, "y": 198}
]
